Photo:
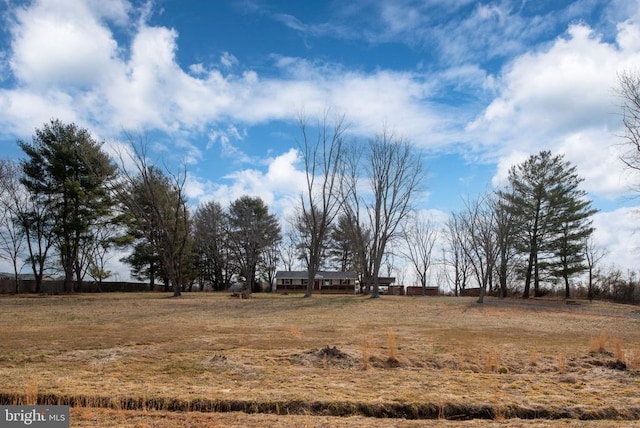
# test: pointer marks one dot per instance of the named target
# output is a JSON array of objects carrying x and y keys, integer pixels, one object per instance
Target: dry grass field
[{"x": 208, "y": 359}]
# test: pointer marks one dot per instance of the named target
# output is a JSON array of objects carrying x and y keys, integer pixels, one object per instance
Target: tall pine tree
[
  {"x": 551, "y": 217},
  {"x": 68, "y": 171}
]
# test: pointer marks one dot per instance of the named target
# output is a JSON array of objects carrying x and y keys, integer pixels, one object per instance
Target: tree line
[
  {"x": 536, "y": 229},
  {"x": 68, "y": 204}
]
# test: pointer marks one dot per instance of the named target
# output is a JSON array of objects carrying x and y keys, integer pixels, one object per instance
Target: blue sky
[{"x": 476, "y": 86}]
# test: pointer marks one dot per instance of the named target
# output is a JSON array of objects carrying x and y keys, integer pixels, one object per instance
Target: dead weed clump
[
  {"x": 393, "y": 346},
  {"x": 366, "y": 353},
  {"x": 31, "y": 393},
  {"x": 632, "y": 358},
  {"x": 599, "y": 345}
]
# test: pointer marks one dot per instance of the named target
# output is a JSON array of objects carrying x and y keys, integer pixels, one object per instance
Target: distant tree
[
  {"x": 593, "y": 255},
  {"x": 269, "y": 263},
  {"x": 354, "y": 218},
  {"x": 456, "y": 263},
  {"x": 144, "y": 262},
  {"x": 157, "y": 202},
  {"x": 252, "y": 231},
  {"x": 31, "y": 214},
  {"x": 106, "y": 236},
  {"x": 70, "y": 173},
  {"x": 342, "y": 244},
  {"x": 287, "y": 251},
  {"x": 550, "y": 212},
  {"x": 477, "y": 229},
  {"x": 320, "y": 203},
  {"x": 12, "y": 232},
  {"x": 210, "y": 234},
  {"x": 504, "y": 235},
  {"x": 420, "y": 237}
]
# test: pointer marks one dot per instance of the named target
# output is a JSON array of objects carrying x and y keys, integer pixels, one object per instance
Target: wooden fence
[
  {"x": 57, "y": 286},
  {"x": 417, "y": 291}
]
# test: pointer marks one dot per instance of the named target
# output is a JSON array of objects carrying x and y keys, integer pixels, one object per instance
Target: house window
[
  {"x": 305, "y": 281},
  {"x": 327, "y": 282},
  {"x": 286, "y": 281}
]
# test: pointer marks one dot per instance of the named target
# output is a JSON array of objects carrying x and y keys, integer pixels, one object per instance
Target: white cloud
[
  {"x": 61, "y": 44},
  {"x": 116, "y": 11},
  {"x": 228, "y": 60},
  {"x": 501, "y": 178},
  {"x": 278, "y": 185},
  {"x": 197, "y": 69},
  {"x": 562, "y": 99},
  {"x": 90, "y": 79}
]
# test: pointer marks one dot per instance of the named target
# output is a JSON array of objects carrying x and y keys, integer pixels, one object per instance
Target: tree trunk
[
  {"x": 152, "y": 277},
  {"x": 503, "y": 278},
  {"x": 38, "y": 277},
  {"x": 483, "y": 291},
  {"x": 536, "y": 277},
  {"x": 527, "y": 279},
  {"x": 310, "y": 277},
  {"x": 16, "y": 276}
]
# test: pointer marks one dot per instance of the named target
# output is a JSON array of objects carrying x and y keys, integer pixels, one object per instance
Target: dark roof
[{"x": 320, "y": 275}]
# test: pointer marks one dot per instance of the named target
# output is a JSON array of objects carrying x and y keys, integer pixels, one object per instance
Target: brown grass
[
  {"x": 618, "y": 353},
  {"x": 533, "y": 357},
  {"x": 31, "y": 393},
  {"x": 562, "y": 362},
  {"x": 392, "y": 345},
  {"x": 492, "y": 361},
  {"x": 366, "y": 353},
  {"x": 285, "y": 354},
  {"x": 599, "y": 344}
]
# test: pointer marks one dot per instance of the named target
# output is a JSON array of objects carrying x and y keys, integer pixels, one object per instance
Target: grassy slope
[{"x": 449, "y": 351}]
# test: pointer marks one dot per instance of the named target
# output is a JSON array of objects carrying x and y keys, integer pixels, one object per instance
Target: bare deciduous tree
[
  {"x": 420, "y": 237},
  {"x": 505, "y": 230},
  {"x": 287, "y": 250},
  {"x": 593, "y": 255},
  {"x": 320, "y": 202},
  {"x": 629, "y": 93},
  {"x": 157, "y": 202},
  {"x": 455, "y": 261},
  {"x": 12, "y": 234},
  {"x": 395, "y": 175},
  {"x": 359, "y": 233},
  {"x": 477, "y": 229},
  {"x": 31, "y": 214},
  {"x": 269, "y": 263}
]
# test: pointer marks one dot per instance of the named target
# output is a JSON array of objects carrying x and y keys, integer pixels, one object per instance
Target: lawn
[{"x": 206, "y": 359}]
